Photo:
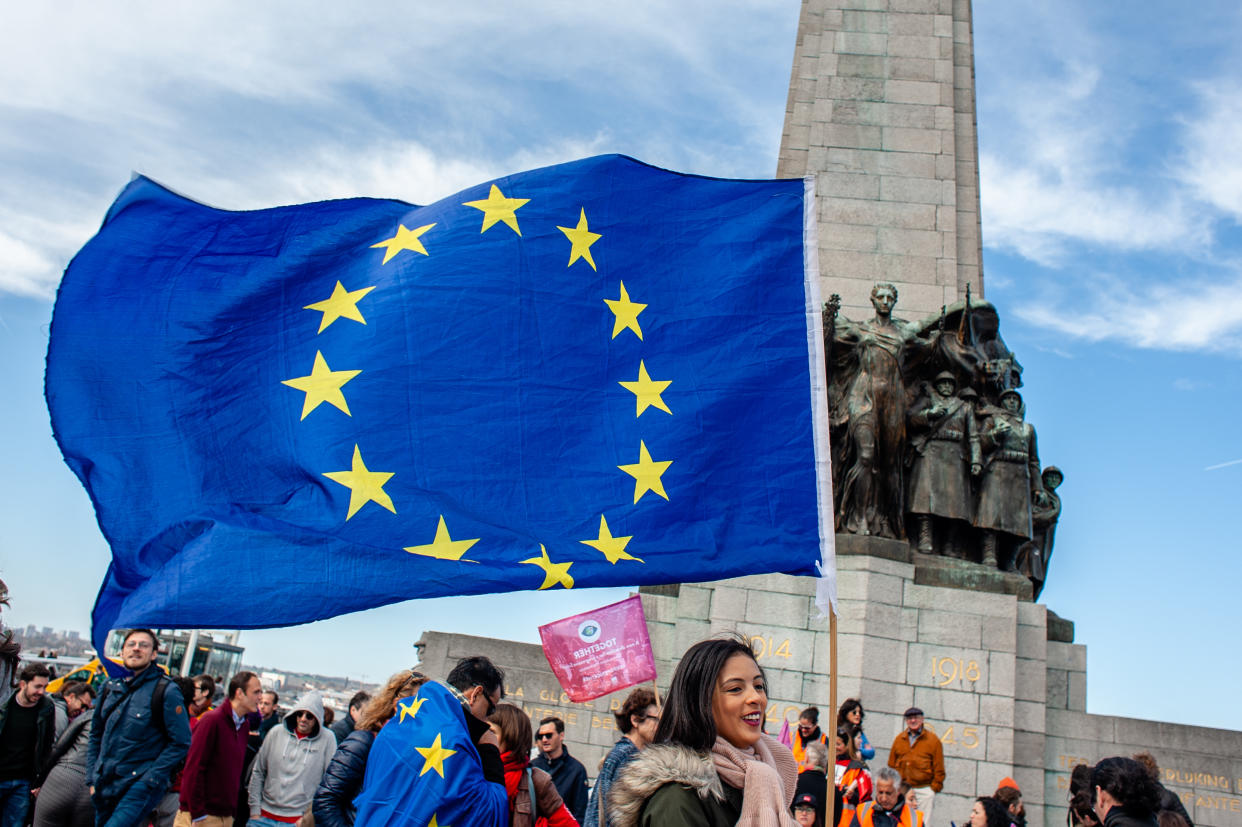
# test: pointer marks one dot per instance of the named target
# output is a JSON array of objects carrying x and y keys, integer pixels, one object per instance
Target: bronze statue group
[{"x": 930, "y": 440}]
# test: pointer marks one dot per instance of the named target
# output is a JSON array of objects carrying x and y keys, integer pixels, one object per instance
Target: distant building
[{"x": 192, "y": 651}]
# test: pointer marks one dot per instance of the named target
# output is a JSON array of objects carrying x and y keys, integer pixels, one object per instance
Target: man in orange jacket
[{"x": 918, "y": 755}]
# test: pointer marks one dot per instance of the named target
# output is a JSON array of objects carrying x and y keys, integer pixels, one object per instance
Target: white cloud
[
  {"x": 1180, "y": 317},
  {"x": 1213, "y": 166},
  {"x": 1037, "y": 212},
  {"x": 243, "y": 106}
]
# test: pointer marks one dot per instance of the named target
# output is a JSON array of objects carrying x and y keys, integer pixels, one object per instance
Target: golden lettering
[
  {"x": 1062, "y": 782},
  {"x": 947, "y": 670},
  {"x": 767, "y": 647}
]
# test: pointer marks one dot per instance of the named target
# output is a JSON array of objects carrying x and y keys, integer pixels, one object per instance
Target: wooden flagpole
[{"x": 832, "y": 714}]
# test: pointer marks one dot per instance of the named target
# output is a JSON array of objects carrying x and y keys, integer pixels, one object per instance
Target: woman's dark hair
[
  {"x": 811, "y": 713},
  {"x": 516, "y": 735},
  {"x": 1081, "y": 810},
  {"x": 636, "y": 703},
  {"x": 1127, "y": 781},
  {"x": 846, "y": 708},
  {"x": 687, "y": 716},
  {"x": 1080, "y": 779},
  {"x": 186, "y": 687},
  {"x": 997, "y": 813}
]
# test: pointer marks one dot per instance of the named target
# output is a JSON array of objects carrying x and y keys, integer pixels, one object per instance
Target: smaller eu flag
[
  {"x": 599, "y": 373},
  {"x": 424, "y": 769}
]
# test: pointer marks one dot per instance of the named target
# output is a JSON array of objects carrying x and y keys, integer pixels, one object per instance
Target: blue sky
[{"x": 1112, "y": 197}]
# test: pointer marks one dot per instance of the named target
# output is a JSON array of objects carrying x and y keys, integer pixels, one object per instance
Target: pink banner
[{"x": 600, "y": 651}]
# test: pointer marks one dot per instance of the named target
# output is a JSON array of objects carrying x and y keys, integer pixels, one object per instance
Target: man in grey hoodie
[{"x": 290, "y": 764}]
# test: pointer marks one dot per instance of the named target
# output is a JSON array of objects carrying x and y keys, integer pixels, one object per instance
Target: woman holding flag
[{"x": 711, "y": 764}]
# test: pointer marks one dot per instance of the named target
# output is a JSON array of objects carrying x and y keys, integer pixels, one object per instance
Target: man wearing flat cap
[{"x": 918, "y": 755}]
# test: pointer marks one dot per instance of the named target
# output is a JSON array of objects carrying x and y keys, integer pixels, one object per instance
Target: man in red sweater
[{"x": 213, "y": 767}]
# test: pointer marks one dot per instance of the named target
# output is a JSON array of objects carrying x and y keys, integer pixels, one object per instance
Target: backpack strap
[
  {"x": 157, "y": 701},
  {"x": 530, "y": 791}
]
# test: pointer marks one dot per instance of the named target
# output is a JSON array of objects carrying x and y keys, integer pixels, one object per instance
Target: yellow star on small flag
[
  {"x": 434, "y": 755},
  {"x": 364, "y": 486},
  {"x": 626, "y": 313},
  {"x": 580, "y": 240},
  {"x": 410, "y": 708},
  {"x": 646, "y": 473},
  {"x": 612, "y": 547},
  {"x": 647, "y": 391},
  {"x": 496, "y": 207},
  {"x": 444, "y": 547},
  {"x": 323, "y": 385},
  {"x": 553, "y": 573},
  {"x": 342, "y": 304},
  {"x": 434, "y": 823},
  {"x": 405, "y": 239}
]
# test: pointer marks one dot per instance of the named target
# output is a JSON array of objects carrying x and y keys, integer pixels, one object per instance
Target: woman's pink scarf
[{"x": 766, "y": 774}]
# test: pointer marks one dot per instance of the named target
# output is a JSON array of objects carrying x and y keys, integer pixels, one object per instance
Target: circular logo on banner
[{"x": 589, "y": 631}]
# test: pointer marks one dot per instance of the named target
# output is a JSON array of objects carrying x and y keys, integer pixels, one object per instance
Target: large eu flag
[{"x": 599, "y": 373}]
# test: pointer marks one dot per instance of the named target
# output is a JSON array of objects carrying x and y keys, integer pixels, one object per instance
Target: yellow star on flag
[
  {"x": 364, "y": 486},
  {"x": 626, "y": 313},
  {"x": 410, "y": 708},
  {"x": 553, "y": 573},
  {"x": 405, "y": 239},
  {"x": 580, "y": 240},
  {"x": 434, "y": 755},
  {"x": 444, "y": 547},
  {"x": 647, "y": 391},
  {"x": 323, "y": 385},
  {"x": 342, "y": 304},
  {"x": 496, "y": 207},
  {"x": 646, "y": 473},
  {"x": 612, "y": 547},
  {"x": 434, "y": 823}
]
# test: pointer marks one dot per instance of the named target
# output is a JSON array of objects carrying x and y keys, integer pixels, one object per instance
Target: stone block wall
[{"x": 881, "y": 110}]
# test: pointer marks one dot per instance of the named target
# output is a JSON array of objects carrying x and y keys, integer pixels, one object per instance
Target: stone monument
[{"x": 933, "y": 456}]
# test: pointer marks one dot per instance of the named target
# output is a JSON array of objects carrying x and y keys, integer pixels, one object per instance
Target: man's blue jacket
[{"x": 129, "y": 744}]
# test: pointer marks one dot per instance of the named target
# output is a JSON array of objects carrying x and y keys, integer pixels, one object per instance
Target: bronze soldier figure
[
  {"x": 1011, "y": 479},
  {"x": 946, "y": 453}
]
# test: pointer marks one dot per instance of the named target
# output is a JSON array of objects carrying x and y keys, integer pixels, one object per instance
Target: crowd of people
[{"x": 154, "y": 750}]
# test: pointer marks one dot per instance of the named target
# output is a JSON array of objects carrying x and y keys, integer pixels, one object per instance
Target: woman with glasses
[
  {"x": 342, "y": 781},
  {"x": 533, "y": 798},
  {"x": 711, "y": 764},
  {"x": 808, "y": 733},
  {"x": 850, "y": 716},
  {"x": 637, "y": 719}
]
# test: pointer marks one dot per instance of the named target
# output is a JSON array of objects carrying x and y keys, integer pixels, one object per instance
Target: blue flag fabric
[
  {"x": 423, "y": 769},
  {"x": 599, "y": 373}
]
